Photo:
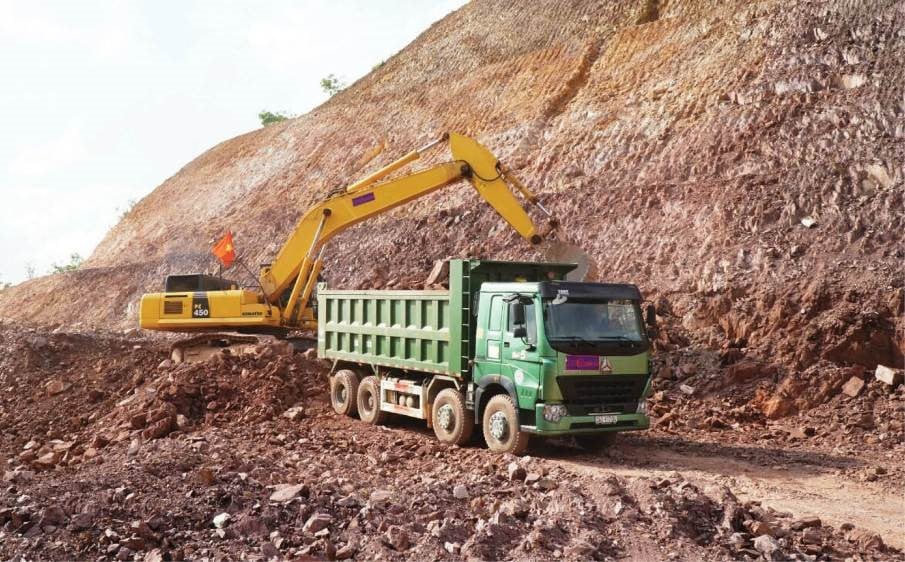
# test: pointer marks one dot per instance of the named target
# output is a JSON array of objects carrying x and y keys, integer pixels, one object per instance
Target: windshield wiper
[
  {"x": 624, "y": 341},
  {"x": 573, "y": 339}
]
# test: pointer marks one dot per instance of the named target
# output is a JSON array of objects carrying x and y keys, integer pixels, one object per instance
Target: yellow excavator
[{"x": 207, "y": 303}]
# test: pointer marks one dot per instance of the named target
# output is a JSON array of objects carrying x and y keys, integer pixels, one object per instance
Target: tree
[
  {"x": 75, "y": 261},
  {"x": 128, "y": 209},
  {"x": 332, "y": 84},
  {"x": 271, "y": 117},
  {"x": 29, "y": 271},
  {"x": 4, "y": 286}
]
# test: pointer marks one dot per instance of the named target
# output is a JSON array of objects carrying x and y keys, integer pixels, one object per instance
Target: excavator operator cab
[{"x": 197, "y": 282}]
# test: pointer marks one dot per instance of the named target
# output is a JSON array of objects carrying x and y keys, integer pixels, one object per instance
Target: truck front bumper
[{"x": 573, "y": 425}]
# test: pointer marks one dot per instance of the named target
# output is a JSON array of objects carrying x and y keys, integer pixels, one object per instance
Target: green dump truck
[{"x": 511, "y": 347}]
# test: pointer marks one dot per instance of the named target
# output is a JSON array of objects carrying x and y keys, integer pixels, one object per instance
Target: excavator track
[{"x": 205, "y": 346}]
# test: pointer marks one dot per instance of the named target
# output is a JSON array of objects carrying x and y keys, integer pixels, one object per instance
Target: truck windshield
[{"x": 594, "y": 326}]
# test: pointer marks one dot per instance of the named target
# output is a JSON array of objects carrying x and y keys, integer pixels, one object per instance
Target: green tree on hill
[
  {"x": 75, "y": 261},
  {"x": 271, "y": 117}
]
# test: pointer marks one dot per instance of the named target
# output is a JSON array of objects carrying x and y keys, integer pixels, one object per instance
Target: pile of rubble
[{"x": 241, "y": 456}]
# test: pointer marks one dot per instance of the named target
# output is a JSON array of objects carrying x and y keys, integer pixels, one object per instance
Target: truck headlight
[
  {"x": 554, "y": 412},
  {"x": 642, "y": 406}
]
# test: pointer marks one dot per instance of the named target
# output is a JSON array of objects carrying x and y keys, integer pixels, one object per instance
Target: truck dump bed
[
  {"x": 428, "y": 331},
  {"x": 399, "y": 329}
]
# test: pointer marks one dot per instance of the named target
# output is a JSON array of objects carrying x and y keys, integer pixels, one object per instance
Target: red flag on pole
[{"x": 225, "y": 251}]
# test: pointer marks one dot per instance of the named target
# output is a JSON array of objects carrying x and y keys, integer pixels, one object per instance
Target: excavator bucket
[{"x": 487, "y": 178}]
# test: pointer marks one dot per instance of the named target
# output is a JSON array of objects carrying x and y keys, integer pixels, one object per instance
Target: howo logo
[{"x": 605, "y": 366}]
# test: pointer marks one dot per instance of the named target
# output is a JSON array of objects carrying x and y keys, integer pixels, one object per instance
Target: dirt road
[{"x": 805, "y": 484}]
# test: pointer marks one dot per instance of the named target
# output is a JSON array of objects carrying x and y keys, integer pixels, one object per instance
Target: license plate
[{"x": 605, "y": 420}]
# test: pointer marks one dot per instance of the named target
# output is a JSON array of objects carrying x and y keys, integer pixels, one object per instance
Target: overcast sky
[{"x": 100, "y": 102}]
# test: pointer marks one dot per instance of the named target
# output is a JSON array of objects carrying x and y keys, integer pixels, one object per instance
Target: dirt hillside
[{"x": 741, "y": 161}]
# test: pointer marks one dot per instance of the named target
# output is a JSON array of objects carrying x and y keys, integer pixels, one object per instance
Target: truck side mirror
[
  {"x": 650, "y": 316},
  {"x": 518, "y": 314},
  {"x": 520, "y": 332}
]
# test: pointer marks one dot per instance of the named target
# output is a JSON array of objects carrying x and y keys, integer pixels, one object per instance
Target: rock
[
  {"x": 317, "y": 522},
  {"x": 580, "y": 550},
  {"x": 138, "y": 421},
  {"x": 853, "y": 387},
  {"x": 133, "y": 543},
  {"x": 686, "y": 389},
  {"x": 737, "y": 541},
  {"x": 545, "y": 484},
  {"x": 346, "y": 552},
  {"x": 55, "y": 387},
  {"x": 269, "y": 551},
  {"x": 805, "y": 523},
  {"x": 866, "y": 540},
  {"x": 206, "y": 476},
  {"x": 516, "y": 472},
  {"x": 47, "y": 460},
  {"x": 849, "y": 81},
  {"x": 286, "y": 492},
  {"x": 124, "y": 553},
  {"x": 380, "y": 496},
  {"x": 134, "y": 447},
  {"x": 222, "y": 520},
  {"x": 249, "y": 526},
  {"x": 155, "y": 555},
  {"x": 688, "y": 369},
  {"x": 866, "y": 421},
  {"x": 802, "y": 432},
  {"x": 141, "y": 528},
  {"x": 452, "y": 547},
  {"x": 532, "y": 477},
  {"x": 743, "y": 371},
  {"x": 760, "y": 528},
  {"x": 460, "y": 492},
  {"x": 515, "y": 508},
  {"x": 812, "y": 536},
  {"x": 766, "y": 545},
  {"x": 348, "y": 501},
  {"x": 809, "y": 222},
  {"x": 159, "y": 428},
  {"x": 892, "y": 377},
  {"x": 397, "y": 538},
  {"x": 165, "y": 364},
  {"x": 778, "y": 406},
  {"x": 295, "y": 413},
  {"x": 438, "y": 273},
  {"x": 53, "y": 515},
  {"x": 81, "y": 521}
]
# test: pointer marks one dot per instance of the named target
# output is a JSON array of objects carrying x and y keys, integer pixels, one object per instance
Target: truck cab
[{"x": 575, "y": 355}]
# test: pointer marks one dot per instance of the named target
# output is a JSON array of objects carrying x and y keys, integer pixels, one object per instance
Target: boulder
[{"x": 853, "y": 387}]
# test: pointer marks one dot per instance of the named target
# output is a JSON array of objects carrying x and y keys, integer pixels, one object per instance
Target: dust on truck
[{"x": 511, "y": 347}]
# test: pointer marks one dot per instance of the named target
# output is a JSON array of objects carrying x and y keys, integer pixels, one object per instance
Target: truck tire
[
  {"x": 369, "y": 402},
  {"x": 344, "y": 392},
  {"x": 501, "y": 429},
  {"x": 453, "y": 424}
]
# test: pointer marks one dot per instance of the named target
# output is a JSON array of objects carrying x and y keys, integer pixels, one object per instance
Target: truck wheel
[
  {"x": 452, "y": 423},
  {"x": 343, "y": 392},
  {"x": 501, "y": 429},
  {"x": 369, "y": 402}
]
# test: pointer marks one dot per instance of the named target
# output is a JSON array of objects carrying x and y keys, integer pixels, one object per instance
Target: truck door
[
  {"x": 489, "y": 341},
  {"x": 520, "y": 361}
]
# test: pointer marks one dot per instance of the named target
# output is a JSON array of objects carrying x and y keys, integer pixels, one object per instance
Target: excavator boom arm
[{"x": 298, "y": 261}]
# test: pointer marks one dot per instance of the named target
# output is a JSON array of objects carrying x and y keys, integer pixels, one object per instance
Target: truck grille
[{"x": 594, "y": 394}]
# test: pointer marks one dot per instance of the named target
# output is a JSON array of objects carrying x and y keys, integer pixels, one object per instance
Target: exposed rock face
[{"x": 742, "y": 159}]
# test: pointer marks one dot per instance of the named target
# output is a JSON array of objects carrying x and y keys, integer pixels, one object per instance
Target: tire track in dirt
[{"x": 802, "y": 489}]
